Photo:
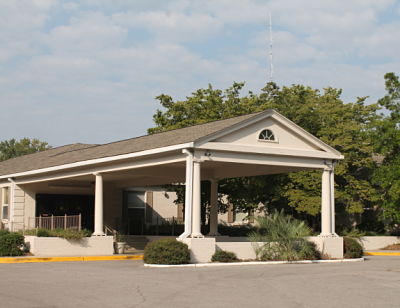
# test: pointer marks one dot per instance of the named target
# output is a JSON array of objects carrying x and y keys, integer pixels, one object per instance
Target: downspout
[{"x": 188, "y": 194}]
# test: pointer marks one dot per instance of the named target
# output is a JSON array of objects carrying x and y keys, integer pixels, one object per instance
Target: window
[
  {"x": 5, "y": 201},
  {"x": 136, "y": 199},
  {"x": 266, "y": 135}
]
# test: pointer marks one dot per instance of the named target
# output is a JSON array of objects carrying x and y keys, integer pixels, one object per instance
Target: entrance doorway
[{"x": 134, "y": 212}]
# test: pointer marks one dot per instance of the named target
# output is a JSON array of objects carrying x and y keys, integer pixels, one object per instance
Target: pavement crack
[{"x": 139, "y": 291}]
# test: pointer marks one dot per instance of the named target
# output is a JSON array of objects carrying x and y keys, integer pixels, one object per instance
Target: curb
[
  {"x": 69, "y": 259},
  {"x": 379, "y": 253},
  {"x": 254, "y": 263}
]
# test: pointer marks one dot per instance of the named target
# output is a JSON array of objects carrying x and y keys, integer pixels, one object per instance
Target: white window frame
[
  {"x": 271, "y": 141},
  {"x": 4, "y": 204}
]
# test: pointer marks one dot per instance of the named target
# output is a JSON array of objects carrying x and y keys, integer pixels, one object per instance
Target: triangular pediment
[{"x": 286, "y": 136}]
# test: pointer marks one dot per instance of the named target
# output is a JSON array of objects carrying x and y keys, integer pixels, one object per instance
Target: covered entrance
[{"x": 256, "y": 144}]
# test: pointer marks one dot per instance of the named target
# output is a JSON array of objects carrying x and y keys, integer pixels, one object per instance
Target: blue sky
[{"x": 88, "y": 71}]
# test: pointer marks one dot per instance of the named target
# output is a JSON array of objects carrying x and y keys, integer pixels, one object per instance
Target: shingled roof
[{"x": 81, "y": 152}]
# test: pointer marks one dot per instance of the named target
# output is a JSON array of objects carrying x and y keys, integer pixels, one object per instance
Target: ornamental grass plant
[{"x": 282, "y": 238}]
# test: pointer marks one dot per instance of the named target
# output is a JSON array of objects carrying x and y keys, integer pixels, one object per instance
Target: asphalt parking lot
[{"x": 373, "y": 283}]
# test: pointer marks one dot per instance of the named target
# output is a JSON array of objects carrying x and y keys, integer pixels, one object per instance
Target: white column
[
  {"x": 98, "y": 206},
  {"x": 196, "y": 208},
  {"x": 332, "y": 187},
  {"x": 188, "y": 194},
  {"x": 326, "y": 203},
  {"x": 214, "y": 208}
]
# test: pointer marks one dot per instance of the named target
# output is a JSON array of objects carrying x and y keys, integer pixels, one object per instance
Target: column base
[
  {"x": 98, "y": 234},
  {"x": 197, "y": 235},
  {"x": 201, "y": 249},
  {"x": 331, "y": 246},
  {"x": 328, "y": 235}
]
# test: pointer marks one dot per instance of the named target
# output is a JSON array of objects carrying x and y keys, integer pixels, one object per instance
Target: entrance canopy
[{"x": 255, "y": 144}]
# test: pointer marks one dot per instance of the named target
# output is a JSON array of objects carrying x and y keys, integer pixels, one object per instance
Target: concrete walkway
[{"x": 373, "y": 283}]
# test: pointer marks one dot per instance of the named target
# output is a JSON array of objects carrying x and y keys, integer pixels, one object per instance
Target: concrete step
[{"x": 135, "y": 242}]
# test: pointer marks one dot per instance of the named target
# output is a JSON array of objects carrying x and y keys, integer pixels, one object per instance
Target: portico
[{"x": 250, "y": 145}]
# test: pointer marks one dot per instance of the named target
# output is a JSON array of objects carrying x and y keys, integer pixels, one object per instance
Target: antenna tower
[{"x": 271, "y": 67}]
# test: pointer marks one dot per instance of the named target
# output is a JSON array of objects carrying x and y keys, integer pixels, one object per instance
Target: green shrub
[
  {"x": 224, "y": 256},
  {"x": 352, "y": 248},
  {"x": 241, "y": 230},
  {"x": 42, "y": 233},
  {"x": 309, "y": 251},
  {"x": 69, "y": 234},
  {"x": 166, "y": 251},
  {"x": 10, "y": 244},
  {"x": 354, "y": 232},
  {"x": 4, "y": 232}
]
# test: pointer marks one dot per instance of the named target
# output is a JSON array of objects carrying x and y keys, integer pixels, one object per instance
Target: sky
[{"x": 89, "y": 71}]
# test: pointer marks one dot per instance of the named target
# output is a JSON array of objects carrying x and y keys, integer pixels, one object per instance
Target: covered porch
[{"x": 259, "y": 144}]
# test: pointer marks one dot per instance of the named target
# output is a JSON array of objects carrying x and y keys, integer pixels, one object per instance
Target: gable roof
[{"x": 82, "y": 152}]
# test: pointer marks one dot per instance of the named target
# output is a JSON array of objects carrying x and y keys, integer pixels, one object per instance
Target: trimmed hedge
[
  {"x": 69, "y": 234},
  {"x": 352, "y": 248},
  {"x": 10, "y": 243},
  {"x": 166, "y": 251},
  {"x": 224, "y": 256}
]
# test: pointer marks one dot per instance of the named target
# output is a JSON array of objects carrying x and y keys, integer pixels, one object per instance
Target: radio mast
[{"x": 271, "y": 67}]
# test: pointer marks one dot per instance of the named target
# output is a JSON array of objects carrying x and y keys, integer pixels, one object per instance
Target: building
[{"x": 261, "y": 143}]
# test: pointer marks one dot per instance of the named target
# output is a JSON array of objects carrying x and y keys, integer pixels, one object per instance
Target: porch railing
[{"x": 56, "y": 222}]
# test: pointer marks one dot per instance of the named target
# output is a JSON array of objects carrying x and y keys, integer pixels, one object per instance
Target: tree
[
  {"x": 13, "y": 148},
  {"x": 344, "y": 126},
  {"x": 387, "y": 143}
]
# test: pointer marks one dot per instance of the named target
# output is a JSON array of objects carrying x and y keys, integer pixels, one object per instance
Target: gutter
[{"x": 99, "y": 160}]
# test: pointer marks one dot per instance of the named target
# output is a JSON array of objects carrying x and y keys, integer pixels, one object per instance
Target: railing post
[
  {"x": 65, "y": 221},
  {"x": 79, "y": 221},
  {"x": 52, "y": 222},
  {"x": 40, "y": 221}
]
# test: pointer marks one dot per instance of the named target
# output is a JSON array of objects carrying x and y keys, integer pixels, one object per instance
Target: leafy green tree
[
  {"x": 387, "y": 142},
  {"x": 13, "y": 148},
  {"x": 325, "y": 115}
]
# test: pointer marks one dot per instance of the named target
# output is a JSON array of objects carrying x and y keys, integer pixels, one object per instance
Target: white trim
[
  {"x": 119, "y": 167},
  {"x": 252, "y": 149},
  {"x": 2, "y": 204},
  {"x": 217, "y": 264},
  {"x": 100, "y": 160},
  {"x": 258, "y": 159}
]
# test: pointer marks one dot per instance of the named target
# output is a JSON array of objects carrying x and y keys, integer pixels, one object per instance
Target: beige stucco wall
[
  {"x": 164, "y": 205},
  {"x": 55, "y": 246},
  {"x": 378, "y": 242},
  {"x": 30, "y": 208},
  {"x": 112, "y": 205}
]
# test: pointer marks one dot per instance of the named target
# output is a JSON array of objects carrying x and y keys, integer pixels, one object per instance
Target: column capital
[
  {"x": 97, "y": 173},
  {"x": 329, "y": 166}
]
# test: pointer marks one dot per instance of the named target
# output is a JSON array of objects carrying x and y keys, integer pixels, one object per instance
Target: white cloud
[{"x": 70, "y": 68}]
